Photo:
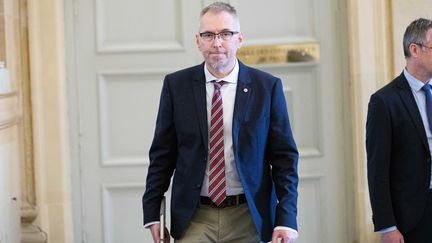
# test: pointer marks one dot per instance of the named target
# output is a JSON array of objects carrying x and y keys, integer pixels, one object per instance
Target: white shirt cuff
[
  {"x": 386, "y": 230},
  {"x": 288, "y": 229},
  {"x": 150, "y": 224}
]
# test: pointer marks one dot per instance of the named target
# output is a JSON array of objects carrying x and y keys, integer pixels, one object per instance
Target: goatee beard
[{"x": 218, "y": 66}]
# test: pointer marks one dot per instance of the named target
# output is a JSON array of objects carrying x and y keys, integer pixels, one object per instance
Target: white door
[{"x": 119, "y": 54}]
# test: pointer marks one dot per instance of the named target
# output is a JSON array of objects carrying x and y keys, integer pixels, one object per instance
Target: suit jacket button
[{"x": 198, "y": 186}]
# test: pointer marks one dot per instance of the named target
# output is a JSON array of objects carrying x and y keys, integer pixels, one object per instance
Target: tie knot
[
  {"x": 219, "y": 84},
  {"x": 426, "y": 88}
]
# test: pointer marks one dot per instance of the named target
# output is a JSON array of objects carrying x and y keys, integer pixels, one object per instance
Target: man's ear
[
  {"x": 197, "y": 40},
  {"x": 240, "y": 38},
  {"x": 414, "y": 49}
]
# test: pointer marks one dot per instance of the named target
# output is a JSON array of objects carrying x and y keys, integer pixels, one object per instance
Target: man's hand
[
  {"x": 286, "y": 236},
  {"x": 155, "y": 229},
  {"x": 392, "y": 237}
]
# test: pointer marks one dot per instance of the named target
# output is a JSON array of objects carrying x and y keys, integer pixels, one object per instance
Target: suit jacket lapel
[
  {"x": 199, "y": 92},
  {"x": 411, "y": 105},
  {"x": 243, "y": 93}
]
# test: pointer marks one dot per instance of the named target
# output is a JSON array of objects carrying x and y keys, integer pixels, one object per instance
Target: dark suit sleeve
[
  {"x": 378, "y": 146},
  {"x": 282, "y": 154},
  {"x": 163, "y": 154}
]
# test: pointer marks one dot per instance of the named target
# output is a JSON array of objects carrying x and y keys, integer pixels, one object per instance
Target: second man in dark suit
[{"x": 399, "y": 145}]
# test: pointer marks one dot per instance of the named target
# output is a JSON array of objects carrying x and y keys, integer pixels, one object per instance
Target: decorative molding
[
  {"x": 311, "y": 176},
  {"x": 278, "y": 41},
  {"x": 2, "y": 32},
  {"x": 108, "y": 229},
  {"x": 29, "y": 232},
  {"x": 306, "y": 16},
  {"x": 157, "y": 46},
  {"x": 106, "y": 158},
  {"x": 309, "y": 152},
  {"x": 304, "y": 151},
  {"x": 286, "y": 65},
  {"x": 311, "y": 205},
  {"x": 8, "y": 94},
  {"x": 306, "y": 121},
  {"x": 29, "y": 189},
  {"x": 10, "y": 122},
  {"x": 288, "y": 92},
  {"x": 125, "y": 161},
  {"x": 155, "y": 71},
  {"x": 384, "y": 41},
  {"x": 134, "y": 47},
  {"x": 107, "y": 186}
]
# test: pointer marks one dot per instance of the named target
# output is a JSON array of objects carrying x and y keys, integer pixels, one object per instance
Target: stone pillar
[
  {"x": 14, "y": 50},
  {"x": 29, "y": 232},
  {"x": 370, "y": 66}
]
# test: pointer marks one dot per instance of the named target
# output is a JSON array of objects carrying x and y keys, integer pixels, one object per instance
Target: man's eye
[
  {"x": 225, "y": 34},
  {"x": 207, "y": 35}
]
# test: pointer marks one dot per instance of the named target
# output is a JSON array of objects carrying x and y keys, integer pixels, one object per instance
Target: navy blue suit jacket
[
  {"x": 399, "y": 161},
  {"x": 264, "y": 149}
]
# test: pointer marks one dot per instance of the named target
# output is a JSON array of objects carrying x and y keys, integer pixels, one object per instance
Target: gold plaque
[{"x": 285, "y": 53}]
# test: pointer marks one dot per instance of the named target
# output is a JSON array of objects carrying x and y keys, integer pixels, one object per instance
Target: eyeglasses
[
  {"x": 428, "y": 47},
  {"x": 225, "y": 35}
]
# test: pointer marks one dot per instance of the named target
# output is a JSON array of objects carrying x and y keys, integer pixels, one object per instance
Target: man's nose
[{"x": 217, "y": 41}]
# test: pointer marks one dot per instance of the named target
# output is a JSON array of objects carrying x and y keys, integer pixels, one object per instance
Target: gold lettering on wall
[{"x": 284, "y": 53}]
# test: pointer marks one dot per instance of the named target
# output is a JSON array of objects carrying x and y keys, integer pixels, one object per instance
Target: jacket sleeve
[
  {"x": 163, "y": 154},
  {"x": 282, "y": 154},
  {"x": 378, "y": 147}
]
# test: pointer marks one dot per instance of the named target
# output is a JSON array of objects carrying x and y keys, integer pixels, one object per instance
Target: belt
[{"x": 229, "y": 201}]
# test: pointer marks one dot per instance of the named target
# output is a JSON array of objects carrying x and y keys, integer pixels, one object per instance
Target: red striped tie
[{"x": 217, "y": 184}]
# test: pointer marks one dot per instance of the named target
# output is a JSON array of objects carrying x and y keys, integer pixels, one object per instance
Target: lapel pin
[{"x": 245, "y": 90}]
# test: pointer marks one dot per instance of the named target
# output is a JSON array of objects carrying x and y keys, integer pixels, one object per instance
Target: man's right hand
[
  {"x": 155, "y": 229},
  {"x": 392, "y": 237}
]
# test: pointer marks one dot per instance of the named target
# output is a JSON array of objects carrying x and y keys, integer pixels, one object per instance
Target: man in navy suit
[
  {"x": 399, "y": 145},
  {"x": 256, "y": 195}
]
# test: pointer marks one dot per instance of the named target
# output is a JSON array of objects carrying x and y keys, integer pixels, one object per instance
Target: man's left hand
[{"x": 286, "y": 236}]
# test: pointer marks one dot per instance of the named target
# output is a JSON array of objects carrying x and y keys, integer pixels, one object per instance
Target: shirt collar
[
  {"x": 230, "y": 78},
  {"x": 414, "y": 83}
]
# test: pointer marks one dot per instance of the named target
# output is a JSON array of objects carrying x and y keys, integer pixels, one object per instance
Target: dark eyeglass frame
[
  {"x": 225, "y": 35},
  {"x": 419, "y": 44}
]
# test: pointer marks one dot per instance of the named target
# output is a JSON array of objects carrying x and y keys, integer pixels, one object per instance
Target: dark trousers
[{"x": 422, "y": 233}]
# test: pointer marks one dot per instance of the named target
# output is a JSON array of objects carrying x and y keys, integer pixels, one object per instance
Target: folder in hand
[{"x": 162, "y": 221}]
